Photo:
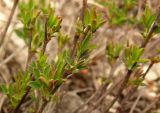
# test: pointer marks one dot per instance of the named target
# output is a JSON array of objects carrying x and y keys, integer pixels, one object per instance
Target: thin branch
[
  {"x": 22, "y": 100},
  {"x": 135, "y": 103},
  {"x": 148, "y": 69},
  {"x": 43, "y": 106},
  {"x": 83, "y": 12},
  {"x": 119, "y": 91},
  {"x": 134, "y": 88},
  {"x": 29, "y": 47},
  {"x": 8, "y": 22},
  {"x": 75, "y": 41},
  {"x": 148, "y": 107},
  {"x": 99, "y": 94},
  {"x": 53, "y": 91},
  {"x": 76, "y": 38},
  {"x": 3, "y": 99},
  {"x": 46, "y": 40}
]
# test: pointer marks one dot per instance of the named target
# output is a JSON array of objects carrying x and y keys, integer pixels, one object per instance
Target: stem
[
  {"x": 96, "y": 96},
  {"x": 76, "y": 38},
  {"x": 135, "y": 103},
  {"x": 43, "y": 106},
  {"x": 29, "y": 47},
  {"x": 99, "y": 94},
  {"x": 148, "y": 69},
  {"x": 46, "y": 40},
  {"x": 22, "y": 100},
  {"x": 83, "y": 12},
  {"x": 28, "y": 60},
  {"x": 75, "y": 41},
  {"x": 45, "y": 37},
  {"x": 151, "y": 105},
  {"x": 8, "y": 22},
  {"x": 123, "y": 85},
  {"x": 99, "y": 101},
  {"x": 134, "y": 88}
]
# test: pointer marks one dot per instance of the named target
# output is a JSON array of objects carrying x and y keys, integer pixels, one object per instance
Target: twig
[
  {"x": 83, "y": 12},
  {"x": 3, "y": 98},
  {"x": 29, "y": 47},
  {"x": 8, "y": 22},
  {"x": 75, "y": 41},
  {"x": 43, "y": 106},
  {"x": 148, "y": 69},
  {"x": 119, "y": 91},
  {"x": 22, "y": 100},
  {"x": 76, "y": 38},
  {"x": 150, "y": 105},
  {"x": 94, "y": 97},
  {"x": 53, "y": 91},
  {"x": 135, "y": 103},
  {"x": 94, "y": 104},
  {"x": 134, "y": 88},
  {"x": 99, "y": 94},
  {"x": 46, "y": 40},
  {"x": 82, "y": 90},
  {"x": 46, "y": 101}
]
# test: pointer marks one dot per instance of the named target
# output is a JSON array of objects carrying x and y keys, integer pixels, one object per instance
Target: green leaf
[
  {"x": 138, "y": 82},
  {"x": 148, "y": 18},
  {"x": 132, "y": 56},
  {"x": 3, "y": 89},
  {"x": 11, "y": 89},
  {"x": 84, "y": 45},
  {"x": 87, "y": 17},
  {"x": 22, "y": 34},
  {"x": 61, "y": 63},
  {"x": 34, "y": 84},
  {"x": 113, "y": 51},
  {"x": 143, "y": 60}
]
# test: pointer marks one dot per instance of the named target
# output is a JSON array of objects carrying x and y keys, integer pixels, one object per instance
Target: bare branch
[{"x": 8, "y": 22}]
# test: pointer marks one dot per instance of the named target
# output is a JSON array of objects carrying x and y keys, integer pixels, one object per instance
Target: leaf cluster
[{"x": 133, "y": 56}]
